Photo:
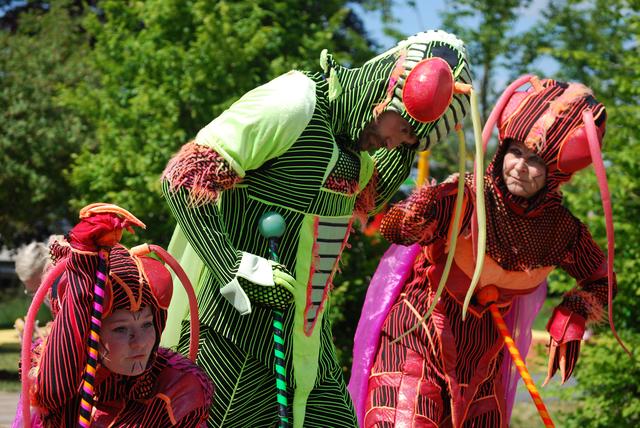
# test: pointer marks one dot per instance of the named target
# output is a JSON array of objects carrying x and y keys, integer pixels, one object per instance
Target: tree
[
  {"x": 486, "y": 26},
  {"x": 166, "y": 68},
  {"x": 38, "y": 133}
]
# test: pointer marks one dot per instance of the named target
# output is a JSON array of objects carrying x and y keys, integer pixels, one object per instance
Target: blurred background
[{"x": 95, "y": 96}]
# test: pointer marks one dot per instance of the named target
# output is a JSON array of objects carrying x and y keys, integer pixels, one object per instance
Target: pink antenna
[
  {"x": 27, "y": 338},
  {"x": 499, "y": 107},
  {"x": 486, "y": 135},
  {"x": 141, "y": 250},
  {"x": 598, "y": 166}
]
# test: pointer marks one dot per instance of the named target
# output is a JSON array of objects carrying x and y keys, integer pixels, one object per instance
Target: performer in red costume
[
  {"x": 448, "y": 371},
  {"x": 132, "y": 381}
]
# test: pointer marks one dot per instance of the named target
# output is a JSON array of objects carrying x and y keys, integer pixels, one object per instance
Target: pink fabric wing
[{"x": 386, "y": 284}]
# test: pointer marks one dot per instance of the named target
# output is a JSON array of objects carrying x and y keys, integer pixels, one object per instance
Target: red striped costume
[
  {"x": 447, "y": 372},
  {"x": 172, "y": 391}
]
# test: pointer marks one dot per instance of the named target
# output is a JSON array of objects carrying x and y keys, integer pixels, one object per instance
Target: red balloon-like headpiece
[{"x": 428, "y": 90}]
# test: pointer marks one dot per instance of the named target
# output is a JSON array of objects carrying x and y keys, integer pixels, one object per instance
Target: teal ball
[{"x": 271, "y": 225}]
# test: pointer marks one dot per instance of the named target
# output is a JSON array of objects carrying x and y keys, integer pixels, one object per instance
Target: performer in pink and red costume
[
  {"x": 101, "y": 365},
  {"x": 451, "y": 372}
]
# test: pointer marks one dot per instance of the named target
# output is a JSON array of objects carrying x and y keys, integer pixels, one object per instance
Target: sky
[
  {"x": 411, "y": 21},
  {"x": 426, "y": 17}
]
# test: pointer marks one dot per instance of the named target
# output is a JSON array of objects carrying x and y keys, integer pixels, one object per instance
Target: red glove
[
  {"x": 566, "y": 329},
  {"x": 101, "y": 225}
]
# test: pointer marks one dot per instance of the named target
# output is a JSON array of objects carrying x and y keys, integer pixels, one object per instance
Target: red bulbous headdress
[{"x": 548, "y": 119}]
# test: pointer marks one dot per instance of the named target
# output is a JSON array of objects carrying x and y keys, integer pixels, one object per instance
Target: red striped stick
[
  {"x": 519, "y": 362},
  {"x": 87, "y": 390}
]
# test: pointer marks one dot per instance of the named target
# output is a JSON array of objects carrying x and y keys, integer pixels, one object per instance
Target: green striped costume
[{"x": 290, "y": 143}]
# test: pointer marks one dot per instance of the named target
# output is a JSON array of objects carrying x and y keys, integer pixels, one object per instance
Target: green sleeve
[
  {"x": 263, "y": 124},
  {"x": 205, "y": 232}
]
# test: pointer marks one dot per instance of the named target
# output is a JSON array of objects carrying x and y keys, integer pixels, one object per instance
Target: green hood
[{"x": 354, "y": 93}]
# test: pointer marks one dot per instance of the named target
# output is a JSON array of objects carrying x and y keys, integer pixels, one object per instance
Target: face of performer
[
  {"x": 389, "y": 130},
  {"x": 127, "y": 341},
  {"x": 524, "y": 172}
]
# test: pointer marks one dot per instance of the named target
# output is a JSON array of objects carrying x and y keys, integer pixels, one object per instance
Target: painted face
[
  {"x": 390, "y": 130},
  {"x": 127, "y": 340},
  {"x": 524, "y": 172}
]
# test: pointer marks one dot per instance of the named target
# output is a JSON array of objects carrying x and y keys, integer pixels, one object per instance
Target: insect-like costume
[
  {"x": 67, "y": 384},
  {"x": 290, "y": 146},
  {"x": 449, "y": 372}
]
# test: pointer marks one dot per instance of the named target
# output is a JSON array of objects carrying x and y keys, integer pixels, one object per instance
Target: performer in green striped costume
[{"x": 298, "y": 146}]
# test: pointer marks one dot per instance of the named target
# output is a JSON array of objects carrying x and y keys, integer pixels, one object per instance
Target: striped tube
[
  {"x": 517, "y": 359},
  {"x": 88, "y": 379},
  {"x": 281, "y": 374},
  {"x": 278, "y": 341}
]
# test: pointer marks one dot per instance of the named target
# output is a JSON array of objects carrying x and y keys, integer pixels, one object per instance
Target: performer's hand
[
  {"x": 101, "y": 225},
  {"x": 278, "y": 296},
  {"x": 566, "y": 329},
  {"x": 563, "y": 356}
]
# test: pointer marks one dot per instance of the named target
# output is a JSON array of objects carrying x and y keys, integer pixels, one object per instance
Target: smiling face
[
  {"x": 523, "y": 172},
  {"x": 389, "y": 130},
  {"x": 127, "y": 340}
]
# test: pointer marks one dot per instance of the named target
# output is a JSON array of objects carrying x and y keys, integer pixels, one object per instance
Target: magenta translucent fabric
[
  {"x": 18, "y": 421},
  {"x": 386, "y": 284},
  {"x": 523, "y": 312}
]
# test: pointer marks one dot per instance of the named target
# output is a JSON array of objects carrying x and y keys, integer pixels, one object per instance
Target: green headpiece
[{"x": 358, "y": 95}]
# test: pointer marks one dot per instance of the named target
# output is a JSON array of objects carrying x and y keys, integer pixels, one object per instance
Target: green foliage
[
  {"x": 607, "y": 393},
  {"x": 37, "y": 132},
  {"x": 167, "y": 68},
  {"x": 14, "y": 304}
]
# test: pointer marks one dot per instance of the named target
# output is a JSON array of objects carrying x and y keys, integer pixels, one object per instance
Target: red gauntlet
[
  {"x": 566, "y": 329},
  {"x": 565, "y": 326}
]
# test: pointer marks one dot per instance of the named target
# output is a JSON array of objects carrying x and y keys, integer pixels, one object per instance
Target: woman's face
[
  {"x": 127, "y": 340},
  {"x": 524, "y": 172}
]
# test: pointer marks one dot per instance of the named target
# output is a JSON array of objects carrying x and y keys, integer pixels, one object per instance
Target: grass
[
  {"x": 15, "y": 304},
  {"x": 9, "y": 357}
]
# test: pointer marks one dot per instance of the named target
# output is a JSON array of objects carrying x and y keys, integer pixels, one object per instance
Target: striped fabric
[
  {"x": 246, "y": 395},
  {"x": 145, "y": 400},
  {"x": 462, "y": 359},
  {"x": 315, "y": 185}
]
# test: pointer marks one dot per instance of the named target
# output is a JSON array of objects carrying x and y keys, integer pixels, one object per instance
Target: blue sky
[
  {"x": 426, "y": 17},
  {"x": 411, "y": 20}
]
